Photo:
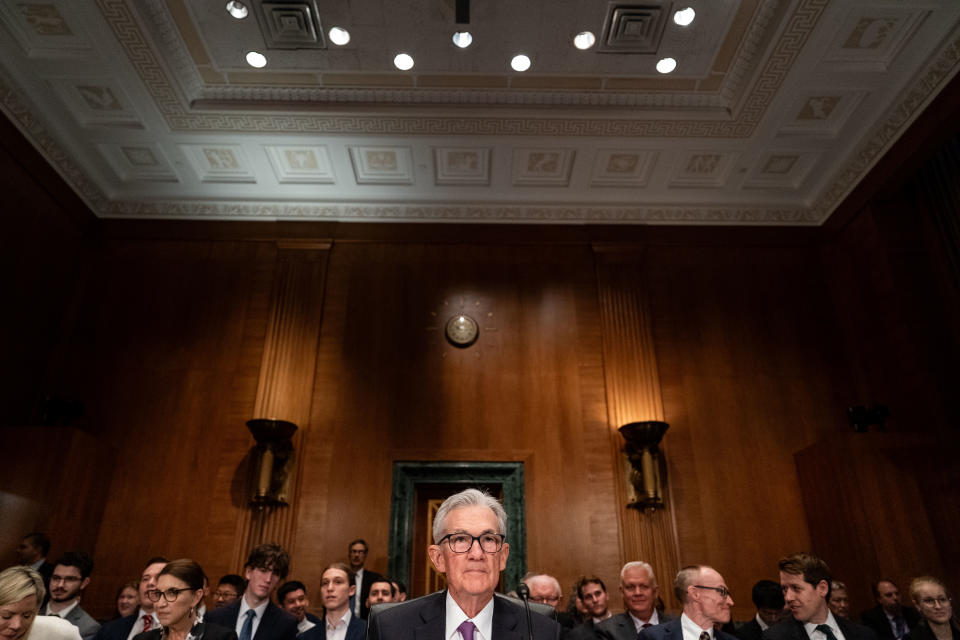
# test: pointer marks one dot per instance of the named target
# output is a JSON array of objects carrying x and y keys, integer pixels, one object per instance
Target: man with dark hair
[
  {"x": 889, "y": 619},
  {"x": 32, "y": 552},
  {"x": 357, "y": 553},
  {"x": 381, "y": 591},
  {"x": 229, "y": 589},
  {"x": 638, "y": 586},
  {"x": 400, "y": 589},
  {"x": 145, "y": 618},
  {"x": 706, "y": 607},
  {"x": 805, "y": 581},
  {"x": 593, "y": 594},
  {"x": 71, "y": 575},
  {"x": 768, "y": 599},
  {"x": 253, "y": 616},
  {"x": 292, "y": 597},
  {"x": 339, "y": 623}
]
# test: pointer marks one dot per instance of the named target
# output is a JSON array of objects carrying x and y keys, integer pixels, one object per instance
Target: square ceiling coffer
[
  {"x": 291, "y": 25},
  {"x": 633, "y": 28}
]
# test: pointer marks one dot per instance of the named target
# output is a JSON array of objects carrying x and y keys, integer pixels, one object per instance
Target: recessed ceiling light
[
  {"x": 237, "y": 9},
  {"x": 520, "y": 62},
  {"x": 666, "y": 65},
  {"x": 462, "y": 39},
  {"x": 684, "y": 16},
  {"x": 584, "y": 40},
  {"x": 257, "y": 60},
  {"x": 339, "y": 36},
  {"x": 403, "y": 62}
]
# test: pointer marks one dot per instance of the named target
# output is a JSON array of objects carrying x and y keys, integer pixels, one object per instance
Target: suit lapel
[
  {"x": 504, "y": 621},
  {"x": 432, "y": 616}
]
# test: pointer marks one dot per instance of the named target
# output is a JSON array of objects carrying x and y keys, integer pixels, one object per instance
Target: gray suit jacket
[
  {"x": 792, "y": 629},
  {"x": 671, "y": 630},
  {"x": 84, "y": 622},
  {"x": 620, "y": 626}
]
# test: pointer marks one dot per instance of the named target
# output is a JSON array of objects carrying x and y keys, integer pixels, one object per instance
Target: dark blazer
[
  {"x": 204, "y": 631},
  {"x": 671, "y": 631},
  {"x": 584, "y": 631},
  {"x": 117, "y": 629},
  {"x": 923, "y": 632},
  {"x": 276, "y": 624},
  {"x": 792, "y": 629},
  {"x": 424, "y": 618},
  {"x": 620, "y": 626},
  {"x": 84, "y": 622},
  {"x": 877, "y": 620},
  {"x": 356, "y": 630},
  {"x": 369, "y": 577},
  {"x": 749, "y": 630}
]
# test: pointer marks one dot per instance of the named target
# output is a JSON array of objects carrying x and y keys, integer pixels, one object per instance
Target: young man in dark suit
[
  {"x": 706, "y": 606},
  {"x": 145, "y": 618},
  {"x": 253, "y": 616},
  {"x": 768, "y": 599},
  {"x": 339, "y": 623}
]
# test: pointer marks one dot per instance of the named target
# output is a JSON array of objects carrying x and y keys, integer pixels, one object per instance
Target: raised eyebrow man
[
  {"x": 706, "y": 606},
  {"x": 71, "y": 575},
  {"x": 469, "y": 549},
  {"x": 381, "y": 591},
  {"x": 889, "y": 619},
  {"x": 253, "y": 616},
  {"x": 768, "y": 599},
  {"x": 145, "y": 618},
  {"x": 593, "y": 594},
  {"x": 638, "y": 586},
  {"x": 293, "y": 599},
  {"x": 805, "y": 580}
]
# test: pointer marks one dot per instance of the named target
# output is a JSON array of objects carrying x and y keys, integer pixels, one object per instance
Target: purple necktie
[{"x": 466, "y": 629}]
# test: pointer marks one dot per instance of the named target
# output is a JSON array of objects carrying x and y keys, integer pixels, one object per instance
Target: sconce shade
[
  {"x": 267, "y": 431},
  {"x": 644, "y": 435}
]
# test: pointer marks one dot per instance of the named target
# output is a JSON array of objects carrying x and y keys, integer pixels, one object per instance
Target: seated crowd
[{"x": 41, "y": 600}]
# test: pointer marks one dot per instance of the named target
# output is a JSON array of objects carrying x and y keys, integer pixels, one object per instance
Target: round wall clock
[{"x": 462, "y": 331}]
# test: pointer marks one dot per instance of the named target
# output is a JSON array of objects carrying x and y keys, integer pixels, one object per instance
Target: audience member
[
  {"x": 364, "y": 577},
  {"x": 706, "y": 606},
  {"x": 839, "y": 601},
  {"x": 469, "y": 548},
  {"x": 592, "y": 594},
  {"x": 253, "y": 616},
  {"x": 768, "y": 599},
  {"x": 32, "y": 552},
  {"x": 401, "y": 590},
  {"x": 145, "y": 617},
  {"x": 889, "y": 619},
  {"x": 293, "y": 599},
  {"x": 638, "y": 587},
  {"x": 128, "y": 599},
  {"x": 339, "y": 623},
  {"x": 805, "y": 580},
  {"x": 178, "y": 598},
  {"x": 381, "y": 591},
  {"x": 71, "y": 575},
  {"x": 930, "y": 597},
  {"x": 229, "y": 589},
  {"x": 546, "y": 589},
  {"x": 21, "y": 592}
]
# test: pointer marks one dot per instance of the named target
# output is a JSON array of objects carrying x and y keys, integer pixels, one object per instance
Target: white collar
[
  {"x": 63, "y": 612},
  {"x": 345, "y": 619},
  {"x": 638, "y": 623},
  {"x": 692, "y": 628},
  {"x": 763, "y": 625},
  {"x": 831, "y": 622},
  {"x": 244, "y": 607},
  {"x": 483, "y": 621}
]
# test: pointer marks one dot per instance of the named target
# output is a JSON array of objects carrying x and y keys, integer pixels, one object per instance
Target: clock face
[{"x": 462, "y": 331}]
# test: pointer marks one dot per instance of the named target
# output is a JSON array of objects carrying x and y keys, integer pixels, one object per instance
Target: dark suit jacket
[
  {"x": 84, "y": 622},
  {"x": 671, "y": 631},
  {"x": 792, "y": 629},
  {"x": 205, "y": 631},
  {"x": 424, "y": 619},
  {"x": 276, "y": 624},
  {"x": 369, "y": 577},
  {"x": 620, "y": 626},
  {"x": 923, "y": 632},
  {"x": 877, "y": 620},
  {"x": 749, "y": 630},
  {"x": 117, "y": 629},
  {"x": 356, "y": 630},
  {"x": 585, "y": 631}
]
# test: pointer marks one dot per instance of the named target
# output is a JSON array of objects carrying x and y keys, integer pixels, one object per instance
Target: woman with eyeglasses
[
  {"x": 930, "y": 597},
  {"x": 21, "y": 592},
  {"x": 178, "y": 596}
]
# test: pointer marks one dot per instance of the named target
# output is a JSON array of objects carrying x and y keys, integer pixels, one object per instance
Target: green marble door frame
[{"x": 407, "y": 474}]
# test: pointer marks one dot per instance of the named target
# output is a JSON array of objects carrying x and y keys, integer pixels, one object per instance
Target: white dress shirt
[
  {"x": 483, "y": 621},
  {"x": 138, "y": 625},
  {"x": 63, "y": 612},
  {"x": 305, "y": 624},
  {"x": 691, "y": 630},
  {"x": 244, "y": 607},
  {"x": 338, "y": 630},
  {"x": 638, "y": 623},
  {"x": 813, "y": 634},
  {"x": 763, "y": 625}
]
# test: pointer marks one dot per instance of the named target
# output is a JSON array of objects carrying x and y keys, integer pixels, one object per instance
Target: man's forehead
[
  {"x": 636, "y": 574},
  {"x": 381, "y": 585},
  {"x": 334, "y": 573},
  {"x": 154, "y": 568},
  {"x": 296, "y": 594},
  {"x": 63, "y": 569},
  {"x": 473, "y": 517}
]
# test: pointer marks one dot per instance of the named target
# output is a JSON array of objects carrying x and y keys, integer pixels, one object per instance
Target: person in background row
[
  {"x": 128, "y": 599},
  {"x": 546, "y": 589},
  {"x": 640, "y": 592},
  {"x": 339, "y": 623},
  {"x": 706, "y": 606},
  {"x": 889, "y": 619},
  {"x": 229, "y": 589},
  {"x": 145, "y": 618},
  {"x": 32, "y": 552},
  {"x": 177, "y": 598},
  {"x": 357, "y": 554},
  {"x": 21, "y": 591},
  {"x": 71, "y": 575},
  {"x": 839, "y": 601},
  {"x": 930, "y": 597},
  {"x": 381, "y": 591},
  {"x": 401, "y": 590},
  {"x": 768, "y": 599},
  {"x": 592, "y": 593},
  {"x": 293, "y": 599}
]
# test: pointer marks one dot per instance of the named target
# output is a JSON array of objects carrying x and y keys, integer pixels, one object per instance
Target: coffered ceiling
[{"x": 775, "y": 111}]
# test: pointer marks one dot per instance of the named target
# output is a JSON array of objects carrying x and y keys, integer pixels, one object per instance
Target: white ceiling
[{"x": 775, "y": 112}]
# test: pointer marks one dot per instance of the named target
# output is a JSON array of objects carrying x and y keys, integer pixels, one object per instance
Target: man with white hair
[
  {"x": 706, "y": 606},
  {"x": 640, "y": 592},
  {"x": 470, "y": 548},
  {"x": 546, "y": 589}
]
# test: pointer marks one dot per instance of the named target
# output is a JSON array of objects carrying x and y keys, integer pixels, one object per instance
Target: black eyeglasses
[
  {"x": 723, "y": 591},
  {"x": 170, "y": 595},
  {"x": 932, "y": 602},
  {"x": 463, "y": 542}
]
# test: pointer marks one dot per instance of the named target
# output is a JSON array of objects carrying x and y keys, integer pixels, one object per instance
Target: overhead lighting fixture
[
  {"x": 403, "y": 62},
  {"x": 237, "y": 9},
  {"x": 257, "y": 60},
  {"x": 462, "y": 39},
  {"x": 684, "y": 17},
  {"x": 584, "y": 40},
  {"x": 339, "y": 36},
  {"x": 666, "y": 65},
  {"x": 520, "y": 62}
]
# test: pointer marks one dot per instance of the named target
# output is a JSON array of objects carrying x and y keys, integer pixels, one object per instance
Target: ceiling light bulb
[
  {"x": 520, "y": 62},
  {"x": 666, "y": 65},
  {"x": 462, "y": 39},
  {"x": 584, "y": 40},
  {"x": 403, "y": 62},
  {"x": 237, "y": 9},
  {"x": 339, "y": 36},
  {"x": 684, "y": 16},
  {"x": 257, "y": 60}
]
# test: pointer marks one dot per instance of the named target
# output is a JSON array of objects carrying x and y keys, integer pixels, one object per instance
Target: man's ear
[
  {"x": 353, "y": 589},
  {"x": 504, "y": 553},
  {"x": 436, "y": 557},
  {"x": 83, "y": 585},
  {"x": 822, "y": 588}
]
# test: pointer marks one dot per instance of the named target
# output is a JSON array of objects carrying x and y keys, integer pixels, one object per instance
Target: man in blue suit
[
  {"x": 706, "y": 606},
  {"x": 336, "y": 586}
]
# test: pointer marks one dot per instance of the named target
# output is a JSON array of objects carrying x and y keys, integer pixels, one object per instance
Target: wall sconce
[
  {"x": 274, "y": 460},
  {"x": 645, "y": 474}
]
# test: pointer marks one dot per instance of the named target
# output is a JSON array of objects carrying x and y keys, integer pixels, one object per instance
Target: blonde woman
[
  {"x": 931, "y": 599},
  {"x": 21, "y": 592}
]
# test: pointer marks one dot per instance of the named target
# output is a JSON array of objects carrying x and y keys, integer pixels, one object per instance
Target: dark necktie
[
  {"x": 147, "y": 622},
  {"x": 827, "y": 631},
  {"x": 704, "y": 635},
  {"x": 642, "y": 627},
  {"x": 466, "y": 629},
  {"x": 246, "y": 632},
  {"x": 901, "y": 626}
]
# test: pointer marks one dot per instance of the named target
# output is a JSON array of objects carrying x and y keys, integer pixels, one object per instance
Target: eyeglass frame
[
  {"x": 159, "y": 593},
  {"x": 939, "y": 600},
  {"x": 723, "y": 591},
  {"x": 502, "y": 538}
]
